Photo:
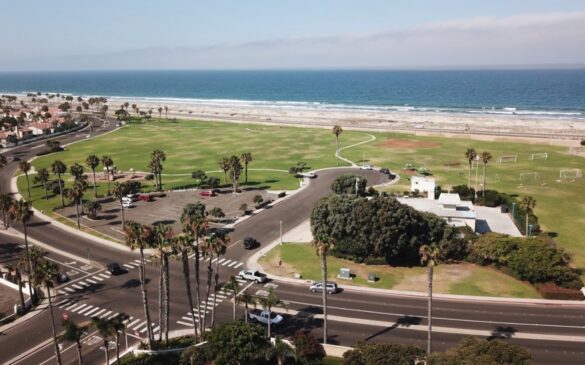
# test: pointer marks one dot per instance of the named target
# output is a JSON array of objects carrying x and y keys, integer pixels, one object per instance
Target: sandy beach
[{"x": 564, "y": 131}]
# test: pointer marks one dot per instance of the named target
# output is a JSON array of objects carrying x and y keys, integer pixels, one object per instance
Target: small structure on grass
[{"x": 424, "y": 185}]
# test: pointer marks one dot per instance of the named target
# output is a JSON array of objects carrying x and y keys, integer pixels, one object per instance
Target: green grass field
[
  {"x": 192, "y": 145},
  {"x": 560, "y": 204},
  {"x": 462, "y": 279}
]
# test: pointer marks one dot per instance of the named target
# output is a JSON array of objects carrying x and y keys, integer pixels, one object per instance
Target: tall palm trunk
[
  {"x": 324, "y": 271},
  {"x": 527, "y": 215},
  {"x": 246, "y": 307},
  {"x": 108, "y": 175},
  {"x": 430, "y": 308},
  {"x": 28, "y": 262},
  {"x": 145, "y": 299},
  {"x": 246, "y": 171},
  {"x": 61, "y": 191},
  {"x": 20, "y": 293},
  {"x": 197, "y": 286},
  {"x": 106, "y": 343},
  {"x": 79, "y": 356},
  {"x": 215, "y": 291},
  {"x": 117, "y": 348},
  {"x": 160, "y": 297},
  {"x": 483, "y": 186},
  {"x": 55, "y": 341},
  {"x": 209, "y": 275},
  {"x": 77, "y": 212},
  {"x": 27, "y": 184},
  {"x": 122, "y": 213},
  {"x": 167, "y": 297},
  {"x": 46, "y": 194},
  {"x": 469, "y": 176},
  {"x": 269, "y": 322},
  {"x": 94, "y": 184},
  {"x": 186, "y": 276}
]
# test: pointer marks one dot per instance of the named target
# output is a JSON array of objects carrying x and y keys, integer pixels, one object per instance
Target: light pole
[{"x": 529, "y": 230}]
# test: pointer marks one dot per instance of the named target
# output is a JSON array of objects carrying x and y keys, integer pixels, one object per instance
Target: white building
[
  {"x": 456, "y": 212},
  {"x": 424, "y": 185}
]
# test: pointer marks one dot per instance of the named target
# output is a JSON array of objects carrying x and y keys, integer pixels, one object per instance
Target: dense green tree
[
  {"x": 337, "y": 130},
  {"x": 92, "y": 208},
  {"x": 383, "y": 354},
  {"x": 236, "y": 343},
  {"x": 157, "y": 157},
  {"x": 470, "y": 154},
  {"x": 74, "y": 333},
  {"x": 59, "y": 168},
  {"x": 473, "y": 351},
  {"x": 75, "y": 194},
  {"x": 235, "y": 171},
  {"x": 76, "y": 170},
  {"x": 346, "y": 184},
  {"x": 308, "y": 350},
  {"x": 224, "y": 165},
  {"x": 527, "y": 204}
]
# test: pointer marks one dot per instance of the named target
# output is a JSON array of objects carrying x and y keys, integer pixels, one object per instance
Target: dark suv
[
  {"x": 250, "y": 243},
  {"x": 115, "y": 269}
]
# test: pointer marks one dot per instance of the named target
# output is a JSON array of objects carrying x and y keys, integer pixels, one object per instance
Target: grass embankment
[
  {"x": 560, "y": 203},
  {"x": 463, "y": 279}
]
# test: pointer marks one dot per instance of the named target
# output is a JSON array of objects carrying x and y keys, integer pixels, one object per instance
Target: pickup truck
[
  {"x": 252, "y": 275},
  {"x": 260, "y": 316}
]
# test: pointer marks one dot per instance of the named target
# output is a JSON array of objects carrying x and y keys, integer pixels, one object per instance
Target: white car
[
  {"x": 366, "y": 167},
  {"x": 263, "y": 317},
  {"x": 252, "y": 275},
  {"x": 310, "y": 175}
]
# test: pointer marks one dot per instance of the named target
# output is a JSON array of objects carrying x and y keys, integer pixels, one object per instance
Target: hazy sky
[{"x": 254, "y": 34}]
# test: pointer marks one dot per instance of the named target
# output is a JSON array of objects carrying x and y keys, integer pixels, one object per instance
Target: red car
[{"x": 209, "y": 193}]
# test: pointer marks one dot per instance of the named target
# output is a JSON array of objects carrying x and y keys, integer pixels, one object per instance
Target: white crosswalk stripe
[
  {"x": 86, "y": 309},
  {"x": 133, "y": 323},
  {"x": 62, "y": 292},
  {"x": 113, "y": 315},
  {"x": 69, "y": 305},
  {"x": 82, "y": 283},
  {"x": 91, "y": 281},
  {"x": 77, "y": 286},
  {"x": 137, "y": 261},
  {"x": 220, "y": 261},
  {"x": 107, "y": 313},
  {"x": 74, "y": 310},
  {"x": 139, "y": 326},
  {"x": 185, "y": 324},
  {"x": 128, "y": 266},
  {"x": 93, "y": 311},
  {"x": 70, "y": 290},
  {"x": 63, "y": 303},
  {"x": 104, "y": 276},
  {"x": 232, "y": 264},
  {"x": 238, "y": 265}
]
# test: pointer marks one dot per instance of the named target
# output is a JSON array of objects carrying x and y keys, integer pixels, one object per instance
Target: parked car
[
  {"x": 310, "y": 175},
  {"x": 208, "y": 193},
  {"x": 115, "y": 269},
  {"x": 145, "y": 197},
  {"x": 132, "y": 197},
  {"x": 261, "y": 316},
  {"x": 318, "y": 287},
  {"x": 62, "y": 277},
  {"x": 366, "y": 167},
  {"x": 127, "y": 203},
  {"x": 252, "y": 275},
  {"x": 385, "y": 170},
  {"x": 250, "y": 243}
]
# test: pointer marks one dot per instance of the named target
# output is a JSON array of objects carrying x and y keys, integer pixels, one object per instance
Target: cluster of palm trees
[
  {"x": 485, "y": 158},
  {"x": 157, "y": 157},
  {"x": 232, "y": 167}
]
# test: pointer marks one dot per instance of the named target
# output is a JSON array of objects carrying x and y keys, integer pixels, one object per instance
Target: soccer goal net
[
  {"x": 529, "y": 176},
  {"x": 576, "y": 150},
  {"x": 570, "y": 174},
  {"x": 538, "y": 156},
  {"x": 508, "y": 158}
]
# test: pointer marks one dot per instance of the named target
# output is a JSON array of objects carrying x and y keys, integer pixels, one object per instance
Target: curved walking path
[{"x": 338, "y": 155}]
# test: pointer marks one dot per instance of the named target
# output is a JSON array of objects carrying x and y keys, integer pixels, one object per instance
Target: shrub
[
  {"x": 535, "y": 259},
  {"x": 307, "y": 349},
  {"x": 244, "y": 208},
  {"x": 492, "y": 198},
  {"x": 473, "y": 351},
  {"x": 282, "y": 194},
  {"x": 583, "y": 142},
  {"x": 236, "y": 343},
  {"x": 92, "y": 208},
  {"x": 257, "y": 199},
  {"x": 346, "y": 184},
  {"x": 193, "y": 356},
  {"x": 465, "y": 193},
  {"x": 383, "y": 354}
]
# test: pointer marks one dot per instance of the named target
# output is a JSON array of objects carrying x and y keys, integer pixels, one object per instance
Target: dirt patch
[
  {"x": 407, "y": 144},
  {"x": 275, "y": 266},
  {"x": 445, "y": 276}
]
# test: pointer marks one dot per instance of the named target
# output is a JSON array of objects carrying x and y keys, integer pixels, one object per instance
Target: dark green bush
[
  {"x": 475, "y": 351},
  {"x": 383, "y": 354}
]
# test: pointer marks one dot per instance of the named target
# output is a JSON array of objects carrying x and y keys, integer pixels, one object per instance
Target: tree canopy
[{"x": 346, "y": 184}]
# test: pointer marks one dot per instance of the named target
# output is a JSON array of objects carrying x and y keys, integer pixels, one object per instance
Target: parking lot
[{"x": 165, "y": 210}]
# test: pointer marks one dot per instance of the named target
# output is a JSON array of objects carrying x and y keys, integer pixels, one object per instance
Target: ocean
[{"x": 546, "y": 93}]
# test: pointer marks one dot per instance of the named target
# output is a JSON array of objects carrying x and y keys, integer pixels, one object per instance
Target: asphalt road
[{"x": 360, "y": 315}]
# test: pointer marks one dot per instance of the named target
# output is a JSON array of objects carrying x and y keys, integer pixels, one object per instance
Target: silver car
[{"x": 331, "y": 287}]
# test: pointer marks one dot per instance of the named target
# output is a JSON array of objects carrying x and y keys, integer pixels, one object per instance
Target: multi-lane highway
[{"x": 554, "y": 333}]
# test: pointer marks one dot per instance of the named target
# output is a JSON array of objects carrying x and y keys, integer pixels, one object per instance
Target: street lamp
[{"x": 529, "y": 230}]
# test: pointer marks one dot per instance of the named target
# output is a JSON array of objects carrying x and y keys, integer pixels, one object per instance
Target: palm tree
[
  {"x": 207, "y": 251},
  {"x": 59, "y": 168},
  {"x": 118, "y": 327},
  {"x": 247, "y": 158},
  {"x": 42, "y": 178},
  {"x": 120, "y": 191},
  {"x": 195, "y": 226},
  {"x": 20, "y": 211},
  {"x": 429, "y": 255},
  {"x": 337, "y": 131},
  {"x": 73, "y": 333},
  {"x": 166, "y": 112},
  {"x": 235, "y": 171},
  {"x": 322, "y": 247},
  {"x": 470, "y": 154},
  {"x": 248, "y": 299},
  {"x": 485, "y": 158},
  {"x": 6, "y": 202},
  {"x": 76, "y": 170},
  {"x": 139, "y": 236},
  {"x": 527, "y": 203},
  {"x": 183, "y": 245},
  {"x": 160, "y": 109},
  {"x": 108, "y": 163},
  {"x": 75, "y": 194},
  {"x": 93, "y": 161},
  {"x": 44, "y": 274},
  {"x": 281, "y": 351},
  {"x": 106, "y": 330},
  {"x": 3, "y": 163},
  {"x": 163, "y": 235},
  {"x": 157, "y": 157},
  {"x": 25, "y": 167},
  {"x": 224, "y": 165},
  {"x": 268, "y": 302},
  {"x": 233, "y": 285},
  {"x": 219, "y": 248},
  {"x": 18, "y": 275}
]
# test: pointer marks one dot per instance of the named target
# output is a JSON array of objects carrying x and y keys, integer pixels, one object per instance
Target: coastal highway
[{"x": 554, "y": 333}]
